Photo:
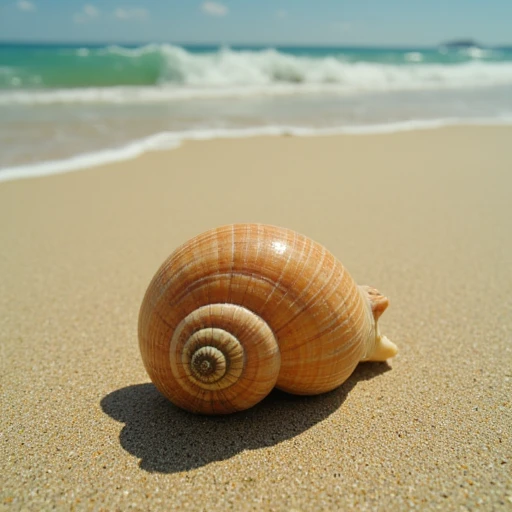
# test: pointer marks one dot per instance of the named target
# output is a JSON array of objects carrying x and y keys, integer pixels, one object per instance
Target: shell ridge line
[
  {"x": 298, "y": 275},
  {"x": 218, "y": 396},
  {"x": 214, "y": 241},
  {"x": 169, "y": 284},
  {"x": 164, "y": 320},
  {"x": 351, "y": 341},
  {"x": 344, "y": 370},
  {"x": 353, "y": 327},
  {"x": 283, "y": 271},
  {"x": 219, "y": 233},
  {"x": 256, "y": 328},
  {"x": 347, "y": 343},
  {"x": 341, "y": 376},
  {"x": 181, "y": 252},
  {"x": 184, "y": 249},
  {"x": 201, "y": 281},
  {"x": 189, "y": 320},
  {"x": 328, "y": 327},
  {"x": 184, "y": 267},
  {"x": 258, "y": 245},
  {"x": 163, "y": 271},
  {"x": 343, "y": 297},
  {"x": 191, "y": 288},
  {"x": 318, "y": 269},
  {"x": 234, "y": 318},
  {"x": 351, "y": 305},
  {"x": 313, "y": 298},
  {"x": 304, "y": 290},
  {"x": 253, "y": 327},
  {"x": 199, "y": 262},
  {"x": 232, "y": 262},
  {"x": 334, "y": 314}
]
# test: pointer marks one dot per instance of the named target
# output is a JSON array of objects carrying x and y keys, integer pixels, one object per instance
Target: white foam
[
  {"x": 477, "y": 53},
  {"x": 87, "y": 160},
  {"x": 413, "y": 57},
  {"x": 227, "y": 74},
  {"x": 172, "y": 140}
]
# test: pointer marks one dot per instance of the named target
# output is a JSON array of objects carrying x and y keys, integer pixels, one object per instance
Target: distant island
[{"x": 461, "y": 43}]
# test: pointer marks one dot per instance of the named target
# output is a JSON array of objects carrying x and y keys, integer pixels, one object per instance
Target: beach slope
[{"x": 424, "y": 216}]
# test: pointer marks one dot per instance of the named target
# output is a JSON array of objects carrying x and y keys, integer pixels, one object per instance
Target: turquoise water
[{"x": 61, "y": 102}]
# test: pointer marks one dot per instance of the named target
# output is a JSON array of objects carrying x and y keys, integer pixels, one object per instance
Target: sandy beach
[{"x": 424, "y": 216}]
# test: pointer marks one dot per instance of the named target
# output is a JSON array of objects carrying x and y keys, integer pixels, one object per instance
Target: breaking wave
[{"x": 159, "y": 73}]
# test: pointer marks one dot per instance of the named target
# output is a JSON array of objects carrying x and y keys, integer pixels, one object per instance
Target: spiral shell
[{"x": 242, "y": 308}]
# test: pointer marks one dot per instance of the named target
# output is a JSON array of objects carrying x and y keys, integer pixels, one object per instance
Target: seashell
[{"x": 242, "y": 308}]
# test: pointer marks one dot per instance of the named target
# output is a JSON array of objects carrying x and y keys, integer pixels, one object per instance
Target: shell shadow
[{"x": 167, "y": 439}]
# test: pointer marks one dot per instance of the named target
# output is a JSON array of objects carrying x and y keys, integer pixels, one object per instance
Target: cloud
[
  {"x": 281, "y": 14},
  {"x": 135, "y": 13},
  {"x": 214, "y": 9},
  {"x": 91, "y": 11},
  {"x": 88, "y": 13},
  {"x": 25, "y": 5}
]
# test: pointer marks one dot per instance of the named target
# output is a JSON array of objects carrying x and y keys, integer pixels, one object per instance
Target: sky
[{"x": 320, "y": 22}]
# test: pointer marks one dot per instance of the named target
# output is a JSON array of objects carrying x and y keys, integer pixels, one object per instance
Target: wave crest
[{"x": 163, "y": 72}]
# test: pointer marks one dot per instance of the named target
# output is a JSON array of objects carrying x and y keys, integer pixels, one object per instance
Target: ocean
[{"x": 65, "y": 107}]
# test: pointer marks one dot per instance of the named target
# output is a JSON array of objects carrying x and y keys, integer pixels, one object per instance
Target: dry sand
[{"x": 424, "y": 216}]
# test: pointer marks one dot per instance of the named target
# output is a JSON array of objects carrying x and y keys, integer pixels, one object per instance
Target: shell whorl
[
  {"x": 241, "y": 308},
  {"x": 217, "y": 354}
]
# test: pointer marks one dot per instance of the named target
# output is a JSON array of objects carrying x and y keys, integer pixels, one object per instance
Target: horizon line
[{"x": 48, "y": 42}]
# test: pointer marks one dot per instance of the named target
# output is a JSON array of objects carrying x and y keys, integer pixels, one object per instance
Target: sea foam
[
  {"x": 162, "y": 73},
  {"x": 172, "y": 140}
]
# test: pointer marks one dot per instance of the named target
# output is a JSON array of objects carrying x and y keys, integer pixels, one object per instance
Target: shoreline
[{"x": 164, "y": 141}]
